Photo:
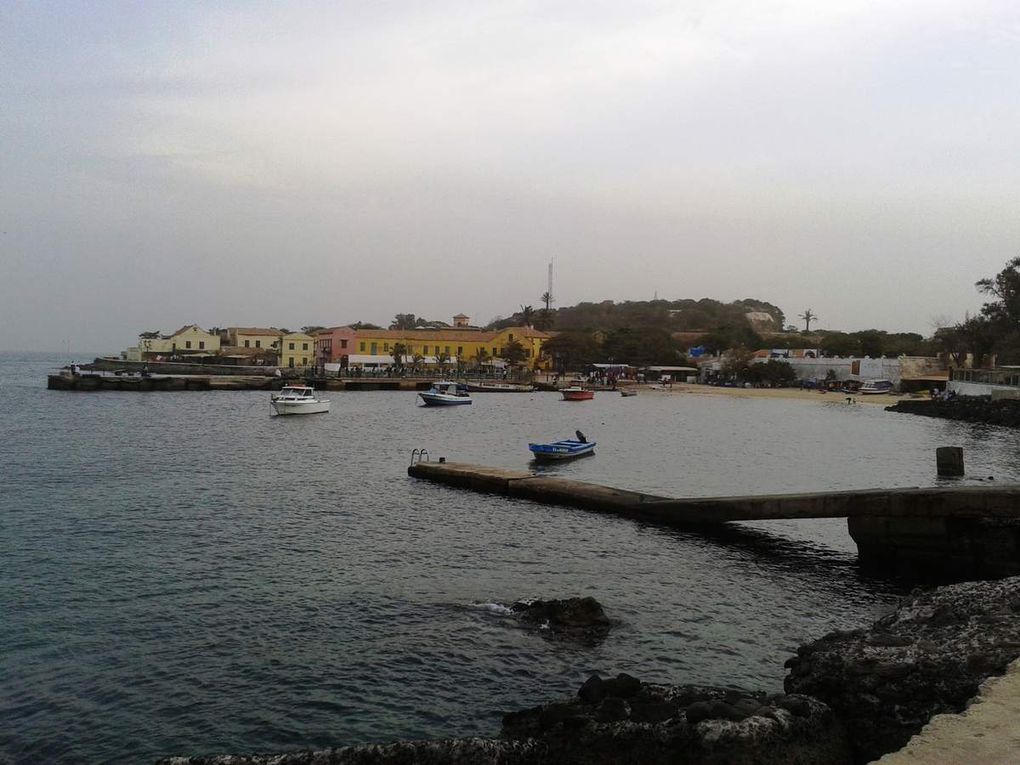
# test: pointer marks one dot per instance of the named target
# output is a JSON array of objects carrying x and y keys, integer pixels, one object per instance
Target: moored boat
[
  {"x": 626, "y": 392},
  {"x": 298, "y": 399},
  {"x": 498, "y": 387},
  {"x": 567, "y": 449},
  {"x": 577, "y": 393},
  {"x": 873, "y": 387},
  {"x": 444, "y": 393}
]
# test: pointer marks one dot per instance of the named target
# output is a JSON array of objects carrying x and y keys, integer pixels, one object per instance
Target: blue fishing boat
[{"x": 562, "y": 450}]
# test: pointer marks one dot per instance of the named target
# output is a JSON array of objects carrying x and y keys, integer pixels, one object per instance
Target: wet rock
[
  {"x": 928, "y": 657},
  {"x": 687, "y": 725},
  {"x": 581, "y": 619},
  {"x": 565, "y": 613},
  {"x": 593, "y": 690},
  {"x": 623, "y": 686}
]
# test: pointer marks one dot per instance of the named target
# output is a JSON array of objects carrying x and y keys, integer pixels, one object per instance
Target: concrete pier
[{"x": 949, "y": 532}]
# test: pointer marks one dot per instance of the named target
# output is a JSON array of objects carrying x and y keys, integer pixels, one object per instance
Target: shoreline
[{"x": 883, "y": 399}]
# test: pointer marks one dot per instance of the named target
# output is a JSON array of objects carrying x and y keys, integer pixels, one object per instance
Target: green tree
[
  {"x": 808, "y": 316},
  {"x": 572, "y": 351},
  {"x": 399, "y": 353},
  {"x": 527, "y": 315},
  {"x": 481, "y": 356},
  {"x": 1005, "y": 288},
  {"x": 513, "y": 353},
  {"x": 404, "y": 321}
]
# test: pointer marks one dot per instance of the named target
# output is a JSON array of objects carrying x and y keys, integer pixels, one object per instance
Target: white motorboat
[
  {"x": 444, "y": 393},
  {"x": 298, "y": 399},
  {"x": 874, "y": 387}
]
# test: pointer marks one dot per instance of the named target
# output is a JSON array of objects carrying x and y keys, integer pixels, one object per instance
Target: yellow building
[
  {"x": 254, "y": 337},
  {"x": 463, "y": 345},
  {"x": 297, "y": 350},
  {"x": 189, "y": 340}
]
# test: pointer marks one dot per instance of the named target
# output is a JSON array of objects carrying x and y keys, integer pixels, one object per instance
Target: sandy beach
[{"x": 881, "y": 399}]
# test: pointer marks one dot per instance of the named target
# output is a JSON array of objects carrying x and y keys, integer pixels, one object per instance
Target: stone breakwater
[
  {"x": 851, "y": 697},
  {"x": 1004, "y": 412}
]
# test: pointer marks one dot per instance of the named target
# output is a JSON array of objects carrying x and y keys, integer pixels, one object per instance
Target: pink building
[{"x": 333, "y": 345}]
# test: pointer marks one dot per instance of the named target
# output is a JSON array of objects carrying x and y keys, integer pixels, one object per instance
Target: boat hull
[
  {"x": 499, "y": 388},
  {"x": 578, "y": 395},
  {"x": 561, "y": 450},
  {"x": 441, "y": 399},
  {"x": 300, "y": 407}
]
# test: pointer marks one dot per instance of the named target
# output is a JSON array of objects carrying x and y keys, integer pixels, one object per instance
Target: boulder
[
  {"x": 928, "y": 657},
  {"x": 683, "y": 725},
  {"x": 575, "y": 618}
]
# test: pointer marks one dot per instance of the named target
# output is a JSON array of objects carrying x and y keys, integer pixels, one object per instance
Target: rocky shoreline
[
  {"x": 1005, "y": 412},
  {"x": 851, "y": 697}
]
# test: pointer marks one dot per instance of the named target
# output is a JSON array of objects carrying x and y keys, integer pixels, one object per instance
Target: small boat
[
  {"x": 873, "y": 387},
  {"x": 626, "y": 393},
  {"x": 298, "y": 399},
  {"x": 577, "y": 393},
  {"x": 497, "y": 387},
  {"x": 561, "y": 450},
  {"x": 444, "y": 393}
]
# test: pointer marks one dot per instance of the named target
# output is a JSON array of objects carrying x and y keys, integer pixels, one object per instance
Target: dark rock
[
  {"x": 623, "y": 685},
  {"x": 698, "y": 711},
  {"x": 580, "y": 619},
  {"x": 593, "y": 690},
  {"x": 652, "y": 712},
  {"x": 569, "y": 612},
  {"x": 926, "y": 658},
  {"x": 613, "y": 709}
]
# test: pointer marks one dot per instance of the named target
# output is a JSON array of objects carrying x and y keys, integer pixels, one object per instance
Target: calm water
[{"x": 182, "y": 573}]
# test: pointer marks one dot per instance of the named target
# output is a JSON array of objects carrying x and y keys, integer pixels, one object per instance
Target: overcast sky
[{"x": 286, "y": 163}]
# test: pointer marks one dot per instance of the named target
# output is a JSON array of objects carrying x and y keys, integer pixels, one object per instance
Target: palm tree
[
  {"x": 547, "y": 298},
  {"x": 527, "y": 315},
  {"x": 442, "y": 359},
  {"x": 808, "y": 317},
  {"x": 399, "y": 351},
  {"x": 480, "y": 356}
]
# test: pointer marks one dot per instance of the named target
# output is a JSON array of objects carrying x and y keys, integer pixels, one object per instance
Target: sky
[{"x": 297, "y": 163}]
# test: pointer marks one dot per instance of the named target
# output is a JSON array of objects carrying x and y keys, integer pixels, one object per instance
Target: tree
[
  {"x": 527, "y": 315},
  {"x": 403, "y": 321},
  {"x": 442, "y": 360},
  {"x": 571, "y": 351},
  {"x": 872, "y": 343},
  {"x": 544, "y": 319},
  {"x": 364, "y": 325},
  {"x": 736, "y": 361},
  {"x": 808, "y": 317},
  {"x": 547, "y": 299},
  {"x": 481, "y": 356},
  {"x": 399, "y": 351},
  {"x": 513, "y": 353},
  {"x": 311, "y": 329},
  {"x": 1005, "y": 288}
]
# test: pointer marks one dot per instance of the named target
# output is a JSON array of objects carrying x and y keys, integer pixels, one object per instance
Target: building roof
[
  {"x": 452, "y": 334},
  {"x": 255, "y": 331}
]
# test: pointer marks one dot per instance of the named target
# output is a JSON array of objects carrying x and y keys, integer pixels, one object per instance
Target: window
[
  {"x": 291, "y": 364},
  {"x": 187, "y": 343},
  {"x": 201, "y": 345},
  {"x": 258, "y": 343},
  {"x": 292, "y": 346},
  {"x": 247, "y": 344},
  {"x": 460, "y": 350},
  {"x": 386, "y": 347},
  {"x": 447, "y": 350},
  {"x": 495, "y": 351},
  {"x": 425, "y": 350},
  {"x": 343, "y": 343},
  {"x": 362, "y": 348},
  {"x": 304, "y": 346},
  {"x": 304, "y": 361},
  {"x": 375, "y": 348},
  {"x": 510, "y": 338}
]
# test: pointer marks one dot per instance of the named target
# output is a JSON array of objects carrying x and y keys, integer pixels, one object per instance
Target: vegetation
[
  {"x": 996, "y": 330},
  {"x": 513, "y": 353}
]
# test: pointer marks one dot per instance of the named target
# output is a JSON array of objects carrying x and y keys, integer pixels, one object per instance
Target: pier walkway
[{"x": 960, "y": 530}]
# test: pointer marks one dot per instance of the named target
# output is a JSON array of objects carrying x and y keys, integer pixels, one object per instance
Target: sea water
[{"x": 181, "y": 573}]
